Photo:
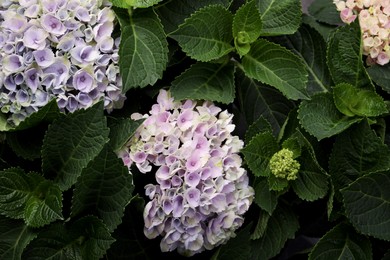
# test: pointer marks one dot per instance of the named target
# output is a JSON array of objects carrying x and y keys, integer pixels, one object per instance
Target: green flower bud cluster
[{"x": 283, "y": 165}]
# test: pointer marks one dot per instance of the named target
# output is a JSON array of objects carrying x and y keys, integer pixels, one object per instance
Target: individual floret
[{"x": 283, "y": 165}]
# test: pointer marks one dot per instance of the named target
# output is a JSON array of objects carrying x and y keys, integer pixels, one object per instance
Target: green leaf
[
  {"x": 325, "y": 11},
  {"x": 280, "y": 16},
  {"x": 141, "y": 3},
  {"x": 323, "y": 29},
  {"x": 357, "y": 152},
  {"x": 143, "y": 50},
  {"x": 261, "y": 225},
  {"x": 246, "y": 26},
  {"x": 293, "y": 145},
  {"x": 312, "y": 182},
  {"x": 120, "y": 3},
  {"x": 259, "y": 151},
  {"x": 342, "y": 242},
  {"x": 206, "y": 81},
  {"x": 353, "y": 101},
  {"x": 4, "y": 125},
  {"x": 15, "y": 236},
  {"x": 258, "y": 100},
  {"x": 311, "y": 47},
  {"x": 121, "y": 130},
  {"x": 71, "y": 143},
  {"x": 274, "y": 65},
  {"x": 367, "y": 204},
  {"x": 173, "y": 13},
  {"x": 259, "y": 126},
  {"x": 201, "y": 38},
  {"x": 320, "y": 117},
  {"x": 264, "y": 197},
  {"x": 277, "y": 184},
  {"x": 237, "y": 248},
  {"x": 344, "y": 57},
  {"x": 29, "y": 196},
  {"x": 27, "y": 143},
  {"x": 87, "y": 238},
  {"x": 104, "y": 189},
  {"x": 380, "y": 75},
  {"x": 282, "y": 226}
]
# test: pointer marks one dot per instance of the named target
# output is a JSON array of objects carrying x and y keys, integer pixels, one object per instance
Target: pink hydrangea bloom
[{"x": 201, "y": 190}]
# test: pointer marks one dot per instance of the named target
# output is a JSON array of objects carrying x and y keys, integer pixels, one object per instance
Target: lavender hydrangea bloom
[
  {"x": 57, "y": 49},
  {"x": 201, "y": 190}
]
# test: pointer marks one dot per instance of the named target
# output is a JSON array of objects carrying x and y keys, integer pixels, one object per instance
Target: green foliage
[
  {"x": 142, "y": 3},
  {"x": 143, "y": 49},
  {"x": 259, "y": 126},
  {"x": 209, "y": 81},
  {"x": 325, "y": 11},
  {"x": 379, "y": 74},
  {"x": 201, "y": 38},
  {"x": 121, "y": 130},
  {"x": 265, "y": 198},
  {"x": 237, "y": 248},
  {"x": 276, "y": 66}
]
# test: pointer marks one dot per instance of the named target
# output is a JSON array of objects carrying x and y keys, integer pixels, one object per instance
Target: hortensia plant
[{"x": 208, "y": 129}]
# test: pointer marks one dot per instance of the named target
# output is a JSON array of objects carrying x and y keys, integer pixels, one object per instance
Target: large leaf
[
  {"x": 202, "y": 38},
  {"x": 353, "y": 101},
  {"x": 143, "y": 49},
  {"x": 310, "y": 46},
  {"x": 15, "y": 236},
  {"x": 276, "y": 66},
  {"x": 344, "y": 57},
  {"x": 342, "y": 242},
  {"x": 380, "y": 75},
  {"x": 258, "y": 152},
  {"x": 280, "y": 16},
  {"x": 282, "y": 226},
  {"x": 87, "y": 238},
  {"x": 71, "y": 143},
  {"x": 261, "y": 225},
  {"x": 322, "y": 28},
  {"x": 258, "y": 100},
  {"x": 320, "y": 117},
  {"x": 206, "y": 81},
  {"x": 259, "y": 126},
  {"x": 264, "y": 197},
  {"x": 325, "y": 11},
  {"x": 173, "y": 12},
  {"x": 142, "y": 3},
  {"x": 357, "y": 152},
  {"x": 121, "y": 130},
  {"x": 367, "y": 204},
  {"x": 29, "y": 196},
  {"x": 103, "y": 189},
  {"x": 27, "y": 143}
]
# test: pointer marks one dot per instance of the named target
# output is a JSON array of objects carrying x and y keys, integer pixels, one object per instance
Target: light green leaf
[
  {"x": 261, "y": 225},
  {"x": 246, "y": 25},
  {"x": 342, "y": 242},
  {"x": 141, "y": 3},
  {"x": 353, "y": 101},
  {"x": 282, "y": 226},
  {"x": 264, "y": 197},
  {"x": 293, "y": 145},
  {"x": 87, "y": 238},
  {"x": 206, "y": 81},
  {"x": 15, "y": 236},
  {"x": 320, "y": 117},
  {"x": 325, "y": 11},
  {"x": 357, "y": 152},
  {"x": 259, "y": 151},
  {"x": 237, "y": 248},
  {"x": 258, "y": 100},
  {"x": 121, "y": 130},
  {"x": 71, "y": 143},
  {"x": 280, "y": 16},
  {"x": 173, "y": 13},
  {"x": 311, "y": 47},
  {"x": 344, "y": 57},
  {"x": 143, "y": 50},
  {"x": 274, "y": 65},
  {"x": 259, "y": 126},
  {"x": 120, "y": 3},
  {"x": 4, "y": 125},
  {"x": 201, "y": 38},
  {"x": 380, "y": 75},
  {"x": 367, "y": 204},
  {"x": 104, "y": 189}
]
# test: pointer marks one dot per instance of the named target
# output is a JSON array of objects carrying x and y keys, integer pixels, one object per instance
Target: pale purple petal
[
  {"x": 60, "y": 70},
  {"x": 167, "y": 206},
  {"x": 193, "y": 163},
  {"x": 32, "y": 11},
  {"x": 178, "y": 206},
  {"x": 192, "y": 196},
  {"x": 32, "y": 79},
  {"x": 83, "y": 81},
  {"x": 176, "y": 181},
  {"x": 52, "y": 25},
  {"x": 84, "y": 99},
  {"x": 9, "y": 83},
  {"x": 101, "y": 31},
  {"x": 15, "y": 22},
  {"x": 82, "y": 14},
  {"x": 192, "y": 179},
  {"x": 41, "y": 98},
  {"x": 163, "y": 173},
  {"x": 13, "y": 63},
  {"x": 23, "y": 97},
  {"x": 219, "y": 202},
  {"x": 72, "y": 104},
  {"x": 184, "y": 121},
  {"x": 44, "y": 58},
  {"x": 35, "y": 38},
  {"x": 84, "y": 54}
]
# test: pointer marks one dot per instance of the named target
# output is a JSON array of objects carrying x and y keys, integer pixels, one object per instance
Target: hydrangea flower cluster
[
  {"x": 202, "y": 191},
  {"x": 374, "y": 19},
  {"x": 283, "y": 165},
  {"x": 57, "y": 49}
]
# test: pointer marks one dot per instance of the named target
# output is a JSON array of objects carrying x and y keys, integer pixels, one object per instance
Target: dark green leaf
[
  {"x": 325, "y": 11},
  {"x": 202, "y": 38},
  {"x": 280, "y": 16},
  {"x": 380, "y": 75},
  {"x": 264, "y": 197},
  {"x": 261, "y": 225},
  {"x": 324, "y": 29},
  {"x": 121, "y": 130},
  {"x": 259, "y": 151},
  {"x": 353, "y": 101},
  {"x": 104, "y": 189},
  {"x": 71, "y": 143},
  {"x": 357, "y": 152},
  {"x": 143, "y": 49},
  {"x": 320, "y": 117},
  {"x": 259, "y": 126},
  {"x": 342, "y": 242},
  {"x": 172, "y": 13},
  {"x": 344, "y": 57},
  {"x": 277, "y": 184},
  {"x": 206, "y": 81},
  {"x": 367, "y": 204},
  {"x": 274, "y": 65},
  {"x": 141, "y": 3},
  {"x": 15, "y": 236},
  {"x": 27, "y": 143}
]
